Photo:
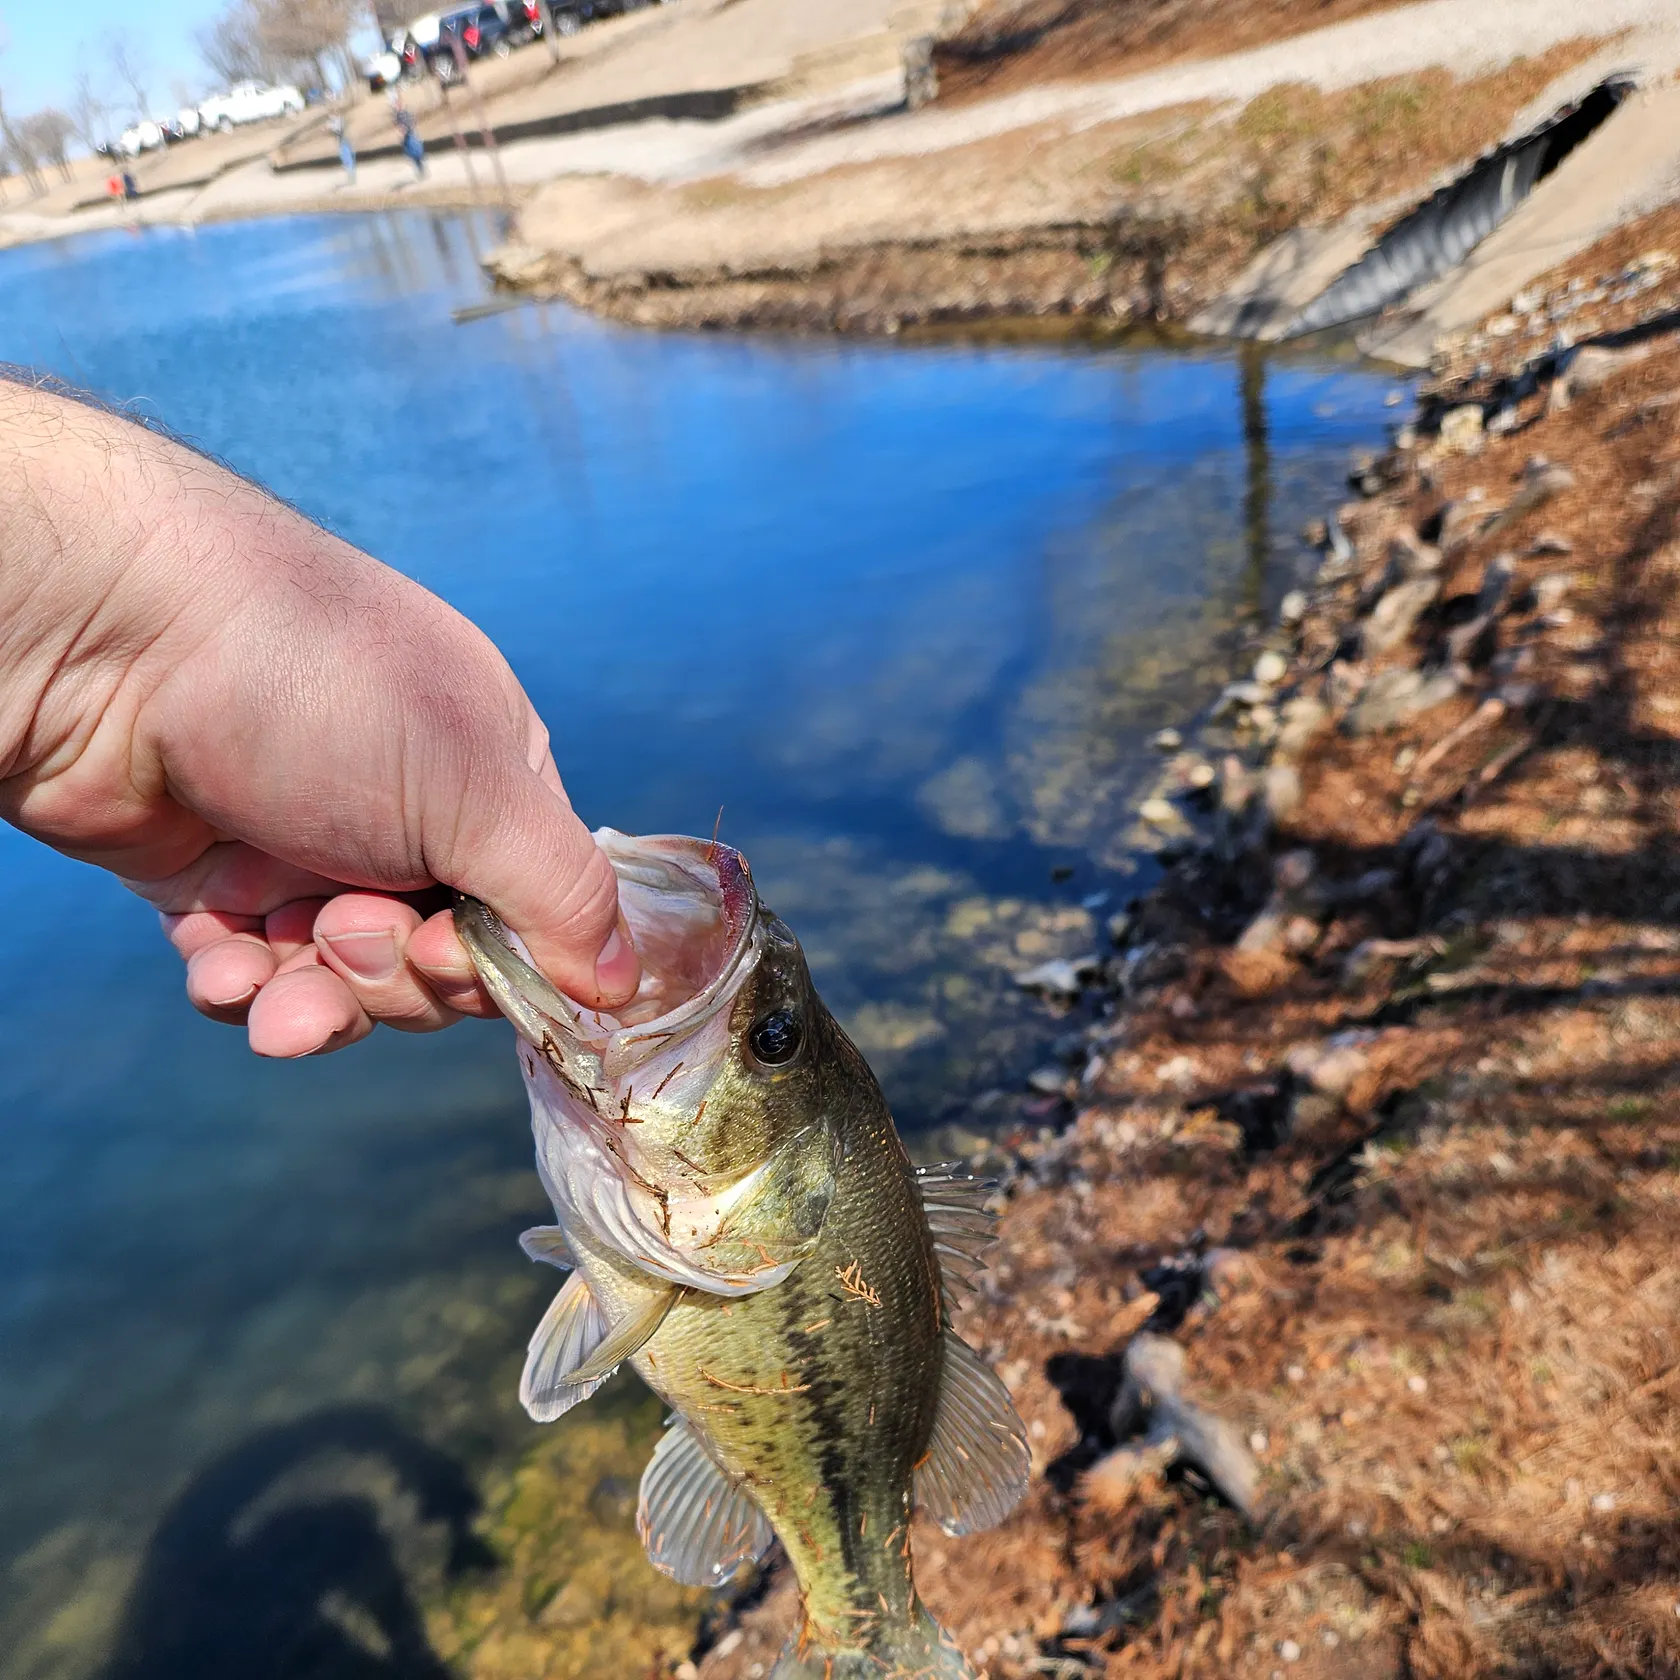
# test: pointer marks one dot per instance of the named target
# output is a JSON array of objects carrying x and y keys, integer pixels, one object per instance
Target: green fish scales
[{"x": 750, "y": 1235}]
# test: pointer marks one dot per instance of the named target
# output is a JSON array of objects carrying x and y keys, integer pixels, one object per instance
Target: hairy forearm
[{"x": 91, "y": 608}]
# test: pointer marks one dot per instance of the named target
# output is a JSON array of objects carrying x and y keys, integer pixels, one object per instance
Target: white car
[
  {"x": 383, "y": 70},
  {"x": 249, "y": 102},
  {"x": 189, "y": 120},
  {"x": 141, "y": 137}
]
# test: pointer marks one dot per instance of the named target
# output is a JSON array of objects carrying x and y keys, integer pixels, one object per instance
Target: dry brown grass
[
  {"x": 1011, "y": 44},
  {"x": 1296, "y": 153}
]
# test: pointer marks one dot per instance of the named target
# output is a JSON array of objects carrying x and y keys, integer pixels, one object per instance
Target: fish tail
[{"x": 918, "y": 1650}]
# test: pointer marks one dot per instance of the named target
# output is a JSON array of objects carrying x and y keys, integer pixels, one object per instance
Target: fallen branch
[
  {"x": 1489, "y": 712},
  {"x": 1176, "y": 1430}
]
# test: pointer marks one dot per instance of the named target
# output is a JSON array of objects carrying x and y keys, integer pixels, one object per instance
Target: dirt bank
[{"x": 1140, "y": 218}]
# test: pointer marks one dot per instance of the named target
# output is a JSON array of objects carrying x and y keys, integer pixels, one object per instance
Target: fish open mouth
[
  {"x": 690, "y": 906},
  {"x": 596, "y": 1079}
]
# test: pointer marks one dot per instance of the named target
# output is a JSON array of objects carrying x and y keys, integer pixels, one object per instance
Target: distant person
[
  {"x": 131, "y": 187},
  {"x": 114, "y": 187},
  {"x": 275, "y": 740},
  {"x": 414, "y": 148},
  {"x": 346, "y": 152}
]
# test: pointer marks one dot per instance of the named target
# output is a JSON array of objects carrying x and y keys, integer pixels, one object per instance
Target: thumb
[{"x": 539, "y": 869}]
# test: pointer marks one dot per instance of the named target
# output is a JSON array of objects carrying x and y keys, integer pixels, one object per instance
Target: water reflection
[{"x": 908, "y": 615}]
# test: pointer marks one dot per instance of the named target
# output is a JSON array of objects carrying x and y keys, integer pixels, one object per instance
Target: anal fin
[
  {"x": 977, "y": 1462},
  {"x": 699, "y": 1527}
]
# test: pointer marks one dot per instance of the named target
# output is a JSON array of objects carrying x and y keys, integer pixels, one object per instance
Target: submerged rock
[
  {"x": 1281, "y": 790},
  {"x": 1061, "y": 976},
  {"x": 1303, "y": 720}
]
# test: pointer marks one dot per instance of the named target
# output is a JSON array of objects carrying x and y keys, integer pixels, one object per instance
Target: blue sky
[{"x": 42, "y": 45}]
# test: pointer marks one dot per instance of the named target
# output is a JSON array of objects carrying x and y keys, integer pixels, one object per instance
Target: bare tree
[
  {"x": 231, "y": 45},
  {"x": 90, "y": 116},
  {"x": 269, "y": 40},
  {"x": 48, "y": 133},
  {"x": 128, "y": 60},
  {"x": 20, "y": 155},
  {"x": 392, "y": 15},
  {"x": 306, "y": 32}
]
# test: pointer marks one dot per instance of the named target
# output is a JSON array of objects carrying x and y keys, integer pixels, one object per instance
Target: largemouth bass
[{"x": 745, "y": 1229}]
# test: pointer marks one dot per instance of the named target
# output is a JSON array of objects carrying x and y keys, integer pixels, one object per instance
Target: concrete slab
[
  {"x": 1630, "y": 167},
  {"x": 1288, "y": 274}
]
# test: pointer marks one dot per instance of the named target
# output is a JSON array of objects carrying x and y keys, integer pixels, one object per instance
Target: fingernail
[
  {"x": 369, "y": 956},
  {"x": 618, "y": 967},
  {"x": 234, "y": 1002}
]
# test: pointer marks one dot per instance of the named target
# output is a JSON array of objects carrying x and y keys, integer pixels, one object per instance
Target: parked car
[
  {"x": 524, "y": 19},
  {"x": 478, "y": 30},
  {"x": 189, "y": 122},
  {"x": 249, "y": 102},
  {"x": 411, "y": 45},
  {"x": 144, "y": 136},
  {"x": 571, "y": 15},
  {"x": 383, "y": 70}
]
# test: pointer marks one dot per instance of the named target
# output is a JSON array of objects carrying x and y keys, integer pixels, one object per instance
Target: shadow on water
[
  {"x": 245, "y": 1577},
  {"x": 1257, "y": 474}
]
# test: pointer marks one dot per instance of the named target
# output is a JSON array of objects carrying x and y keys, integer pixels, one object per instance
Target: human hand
[{"x": 273, "y": 739}]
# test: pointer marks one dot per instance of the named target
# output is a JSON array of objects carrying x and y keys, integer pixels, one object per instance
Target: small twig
[
  {"x": 754, "y": 1388},
  {"x": 1503, "y": 760},
  {"x": 853, "y": 1282}
]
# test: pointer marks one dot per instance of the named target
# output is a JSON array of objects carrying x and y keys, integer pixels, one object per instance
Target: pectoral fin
[
  {"x": 699, "y": 1527},
  {"x": 574, "y": 1350},
  {"x": 626, "y": 1338},
  {"x": 548, "y": 1244},
  {"x": 977, "y": 1462},
  {"x": 571, "y": 1330}
]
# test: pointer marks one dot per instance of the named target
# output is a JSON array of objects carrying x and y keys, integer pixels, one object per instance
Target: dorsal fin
[
  {"x": 548, "y": 1244},
  {"x": 570, "y": 1331},
  {"x": 699, "y": 1527},
  {"x": 954, "y": 1201},
  {"x": 977, "y": 1462}
]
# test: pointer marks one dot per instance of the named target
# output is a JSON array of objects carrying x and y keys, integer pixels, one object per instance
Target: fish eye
[{"x": 776, "y": 1039}]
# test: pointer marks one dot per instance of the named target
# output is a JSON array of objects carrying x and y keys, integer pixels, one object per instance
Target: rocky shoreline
[{"x": 1372, "y": 1150}]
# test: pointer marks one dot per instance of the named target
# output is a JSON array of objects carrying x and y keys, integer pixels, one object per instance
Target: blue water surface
[{"x": 906, "y": 614}]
